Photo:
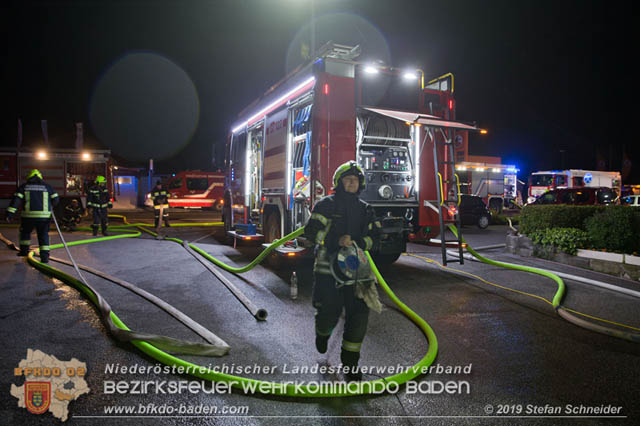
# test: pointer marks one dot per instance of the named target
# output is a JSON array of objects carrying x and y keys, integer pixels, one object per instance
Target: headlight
[{"x": 385, "y": 192}]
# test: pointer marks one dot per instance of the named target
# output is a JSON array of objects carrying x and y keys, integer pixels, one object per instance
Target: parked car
[
  {"x": 473, "y": 211},
  {"x": 631, "y": 200},
  {"x": 578, "y": 196}
]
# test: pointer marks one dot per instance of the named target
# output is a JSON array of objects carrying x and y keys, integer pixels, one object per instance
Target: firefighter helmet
[
  {"x": 34, "y": 172},
  {"x": 100, "y": 179},
  {"x": 346, "y": 169}
]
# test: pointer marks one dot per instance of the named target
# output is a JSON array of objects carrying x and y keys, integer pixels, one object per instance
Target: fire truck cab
[
  {"x": 283, "y": 151},
  {"x": 541, "y": 182}
]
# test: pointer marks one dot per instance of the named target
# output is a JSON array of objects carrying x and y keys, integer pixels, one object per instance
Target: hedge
[
  {"x": 612, "y": 228},
  {"x": 568, "y": 240},
  {"x": 535, "y": 218},
  {"x": 615, "y": 229}
]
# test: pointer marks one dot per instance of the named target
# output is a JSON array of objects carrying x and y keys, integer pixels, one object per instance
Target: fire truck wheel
[
  {"x": 495, "y": 204},
  {"x": 385, "y": 259},
  {"x": 272, "y": 233},
  {"x": 483, "y": 221},
  {"x": 226, "y": 219},
  {"x": 218, "y": 207},
  {"x": 272, "y": 228}
]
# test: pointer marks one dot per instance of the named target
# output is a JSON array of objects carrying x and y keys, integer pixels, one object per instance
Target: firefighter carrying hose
[
  {"x": 336, "y": 223},
  {"x": 38, "y": 198},
  {"x": 98, "y": 201},
  {"x": 160, "y": 199}
]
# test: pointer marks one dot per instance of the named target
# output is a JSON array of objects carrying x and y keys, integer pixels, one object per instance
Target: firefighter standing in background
[
  {"x": 338, "y": 221},
  {"x": 99, "y": 200},
  {"x": 160, "y": 199},
  {"x": 37, "y": 198}
]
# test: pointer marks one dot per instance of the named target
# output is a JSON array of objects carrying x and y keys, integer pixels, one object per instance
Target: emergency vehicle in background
[
  {"x": 69, "y": 171},
  {"x": 194, "y": 189},
  {"x": 495, "y": 183},
  {"x": 541, "y": 182},
  {"x": 283, "y": 151}
]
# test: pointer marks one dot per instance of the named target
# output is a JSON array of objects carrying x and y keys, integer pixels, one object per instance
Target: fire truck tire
[
  {"x": 218, "y": 206},
  {"x": 385, "y": 259},
  {"x": 226, "y": 219},
  {"x": 271, "y": 234},
  {"x": 495, "y": 204},
  {"x": 272, "y": 228},
  {"x": 483, "y": 221}
]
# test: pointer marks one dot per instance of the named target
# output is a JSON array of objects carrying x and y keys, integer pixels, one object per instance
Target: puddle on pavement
[{"x": 75, "y": 301}]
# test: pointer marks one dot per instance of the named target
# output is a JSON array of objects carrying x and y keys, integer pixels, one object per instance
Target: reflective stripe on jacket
[
  {"x": 328, "y": 223},
  {"x": 160, "y": 198},
  {"x": 99, "y": 197},
  {"x": 37, "y": 199}
]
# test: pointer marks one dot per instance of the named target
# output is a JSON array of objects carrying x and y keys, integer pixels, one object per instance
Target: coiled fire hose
[{"x": 238, "y": 382}]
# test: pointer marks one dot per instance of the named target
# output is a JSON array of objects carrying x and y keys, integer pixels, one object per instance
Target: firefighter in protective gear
[
  {"x": 72, "y": 216},
  {"x": 99, "y": 200},
  {"x": 337, "y": 221},
  {"x": 160, "y": 199},
  {"x": 37, "y": 199}
]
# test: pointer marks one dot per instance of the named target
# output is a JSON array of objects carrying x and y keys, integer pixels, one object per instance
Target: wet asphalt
[{"x": 510, "y": 354}]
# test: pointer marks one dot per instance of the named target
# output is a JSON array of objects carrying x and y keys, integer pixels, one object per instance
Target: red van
[{"x": 195, "y": 189}]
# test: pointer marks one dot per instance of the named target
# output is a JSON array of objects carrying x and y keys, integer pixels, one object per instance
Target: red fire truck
[
  {"x": 542, "y": 181},
  {"x": 488, "y": 178},
  {"x": 69, "y": 171},
  {"x": 194, "y": 189},
  {"x": 282, "y": 153}
]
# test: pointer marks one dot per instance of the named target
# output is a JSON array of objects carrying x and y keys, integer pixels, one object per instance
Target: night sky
[{"x": 167, "y": 79}]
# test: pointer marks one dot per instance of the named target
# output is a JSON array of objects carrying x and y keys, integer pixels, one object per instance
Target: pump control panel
[{"x": 389, "y": 173}]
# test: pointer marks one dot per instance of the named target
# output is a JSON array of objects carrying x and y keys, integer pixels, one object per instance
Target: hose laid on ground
[
  {"x": 583, "y": 280},
  {"x": 177, "y": 314},
  {"x": 259, "y": 313},
  {"x": 557, "y": 299},
  {"x": 265, "y": 387},
  {"x": 218, "y": 348}
]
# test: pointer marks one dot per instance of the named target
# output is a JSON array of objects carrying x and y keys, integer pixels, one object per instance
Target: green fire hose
[
  {"x": 557, "y": 298},
  {"x": 238, "y": 382}
]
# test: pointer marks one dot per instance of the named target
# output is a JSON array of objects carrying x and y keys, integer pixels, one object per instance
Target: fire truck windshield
[{"x": 541, "y": 180}]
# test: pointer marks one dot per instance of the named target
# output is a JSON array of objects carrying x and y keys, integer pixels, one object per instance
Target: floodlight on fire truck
[
  {"x": 41, "y": 155},
  {"x": 410, "y": 76},
  {"x": 370, "y": 69},
  {"x": 86, "y": 156}
]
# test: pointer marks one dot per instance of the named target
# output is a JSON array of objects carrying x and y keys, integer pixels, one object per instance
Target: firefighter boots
[
  {"x": 350, "y": 363},
  {"x": 321, "y": 343}
]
